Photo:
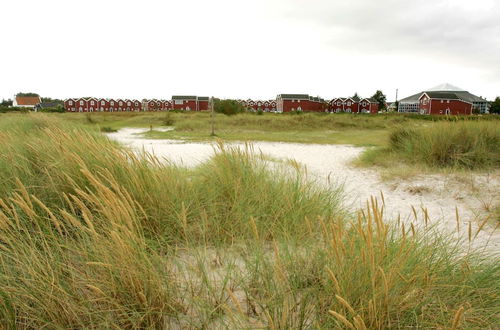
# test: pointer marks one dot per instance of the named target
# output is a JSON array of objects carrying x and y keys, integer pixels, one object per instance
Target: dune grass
[
  {"x": 448, "y": 146},
  {"x": 361, "y": 130},
  {"x": 95, "y": 236}
]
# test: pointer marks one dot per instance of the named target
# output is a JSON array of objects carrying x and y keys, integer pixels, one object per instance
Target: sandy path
[{"x": 440, "y": 195}]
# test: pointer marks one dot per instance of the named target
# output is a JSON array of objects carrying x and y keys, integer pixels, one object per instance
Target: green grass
[
  {"x": 469, "y": 145},
  {"x": 93, "y": 236},
  {"x": 361, "y": 130}
]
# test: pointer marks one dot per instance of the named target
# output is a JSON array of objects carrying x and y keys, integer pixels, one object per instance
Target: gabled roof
[
  {"x": 446, "y": 88},
  {"x": 28, "y": 100},
  {"x": 203, "y": 98}
]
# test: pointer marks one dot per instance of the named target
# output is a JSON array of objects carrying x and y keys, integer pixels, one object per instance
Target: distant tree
[
  {"x": 51, "y": 100},
  {"x": 381, "y": 99},
  {"x": 228, "y": 107},
  {"x": 355, "y": 95},
  {"x": 495, "y": 106},
  {"x": 6, "y": 103},
  {"x": 30, "y": 94}
]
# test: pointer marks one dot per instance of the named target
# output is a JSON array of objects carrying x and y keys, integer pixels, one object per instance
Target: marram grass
[{"x": 94, "y": 236}]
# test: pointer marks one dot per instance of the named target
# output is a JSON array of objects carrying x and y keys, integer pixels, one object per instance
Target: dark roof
[
  {"x": 452, "y": 95},
  {"x": 44, "y": 105},
  {"x": 203, "y": 98},
  {"x": 411, "y": 99},
  {"x": 355, "y": 98},
  {"x": 183, "y": 97},
  {"x": 295, "y": 96},
  {"x": 466, "y": 96},
  {"x": 443, "y": 95}
]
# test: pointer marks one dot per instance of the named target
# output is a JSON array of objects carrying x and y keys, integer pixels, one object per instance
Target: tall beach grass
[{"x": 95, "y": 236}]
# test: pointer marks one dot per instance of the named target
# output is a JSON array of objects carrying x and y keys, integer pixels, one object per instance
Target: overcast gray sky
[{"x": 247, "y": 48}]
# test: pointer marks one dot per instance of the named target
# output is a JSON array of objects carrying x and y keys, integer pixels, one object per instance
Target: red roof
[{"x": 28, "y": 100}]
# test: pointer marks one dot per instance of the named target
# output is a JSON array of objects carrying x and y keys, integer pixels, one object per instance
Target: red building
[
  {"x": 336, "y": 105},
  {"x": 347, "y": 104},
  {"x": 70, "y": 105},
  {"x": 203, "y": 103},
  {"x": 82, "y": 105},
  {"x": 299, "y": 102},
  {"x": 190, "y": 103},
  {"x": 136, "y": 105},
  {"x": 444, "y": 103},
  {"x": 368, "y": 106},
  {"x": 102, "y": 105},
  {"x": 272, "y": 105},
  {"x": 113, "y": 105}
]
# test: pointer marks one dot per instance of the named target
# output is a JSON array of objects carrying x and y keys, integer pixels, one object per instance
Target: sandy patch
[{"x": 441, "y": 197}]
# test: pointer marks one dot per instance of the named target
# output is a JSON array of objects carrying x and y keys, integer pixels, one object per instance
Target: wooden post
[{"x": 212, "y": 115}]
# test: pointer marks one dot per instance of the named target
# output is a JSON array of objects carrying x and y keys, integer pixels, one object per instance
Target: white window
[
  {"x": 70, "y": 102},
  {"x": 92, "y": 102},
  {"x": 121, "y": 103},
  {"x": 442, "y": 101},
  {"x": 81, "y": 102},
  {"x": 103, "y": 102},
  {"x": 299, "y": 102},
  {"x": 178, "y": 102},
  {"x": 447, "y": 101},
  {"x": 112, "y": 103},
  {"x": 128, "y": 103},
  {"x": 338, "y": 103},
  {"x": 349, "y": 103}
]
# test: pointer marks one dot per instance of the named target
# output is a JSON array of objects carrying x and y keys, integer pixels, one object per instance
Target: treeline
[{"x": 4, "y": 109}]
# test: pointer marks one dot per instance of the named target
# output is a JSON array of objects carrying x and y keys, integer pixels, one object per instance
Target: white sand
[{"x": 440, "y": 195}]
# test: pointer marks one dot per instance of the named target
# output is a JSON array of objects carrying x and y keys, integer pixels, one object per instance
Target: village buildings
[
  {"x": 259, "y": 105},
  {"x": 441, "y": 100},
  {"x": 353, "y": 105},
  {"x": 188, "y": 103}
]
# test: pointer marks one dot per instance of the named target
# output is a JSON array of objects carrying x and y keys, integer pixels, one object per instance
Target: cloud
[{"x": 464, "y": 32}]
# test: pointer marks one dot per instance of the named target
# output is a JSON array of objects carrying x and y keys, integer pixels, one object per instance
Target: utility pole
[
  {"x": 396, "y": 103},
  {"x": 212, "y": 115}
]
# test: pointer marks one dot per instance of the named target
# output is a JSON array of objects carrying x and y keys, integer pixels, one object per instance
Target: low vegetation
[
  {"x": 455, "y": 145},
  {"x": 94, "y": 236}
]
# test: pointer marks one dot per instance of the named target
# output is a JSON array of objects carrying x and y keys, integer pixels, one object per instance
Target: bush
[
  {"x": 107, "y": 129},
  {"x": 228, "y": 107},
  {"x": 168, "y": 120},
  {"x": 4, "y": 109}
]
